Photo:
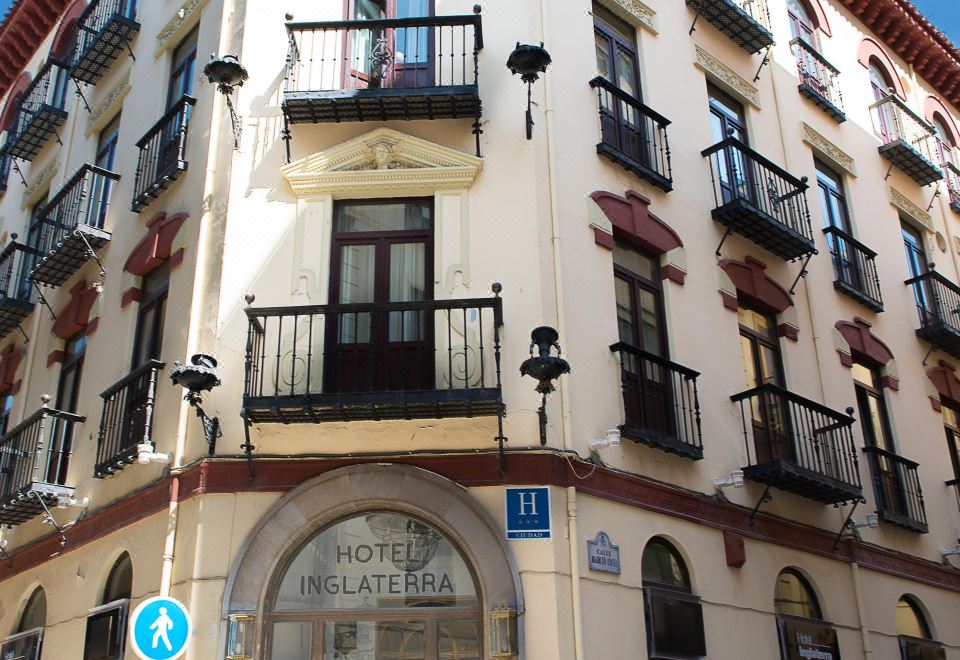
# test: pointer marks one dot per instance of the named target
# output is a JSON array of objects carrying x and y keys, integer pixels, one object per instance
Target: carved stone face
[{"x": 382, "y": 156}]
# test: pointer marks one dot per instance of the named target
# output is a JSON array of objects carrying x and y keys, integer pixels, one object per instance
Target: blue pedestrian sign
[
  {"x": 528, "y": 512},
  {"x": 159, "y": 629}
]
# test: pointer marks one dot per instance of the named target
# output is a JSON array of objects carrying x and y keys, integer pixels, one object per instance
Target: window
[
  {"x": 802, "y": 631},
  {"x": 944, "y": 140},
  {"x": 68, "y": 394},
  {"x": 760, "y": 353},
  {"x": 27, "y": 640},
  {"x": 106, "y": 154},
  {"x": 639, "y": 298},
  {"x": 412, "y": 47},
  {"x": 5, "y": 414},
  {"x": 182, "y": 68},
  {"x": 151, "y": 315},
  {"x": 951, "y": 426},
  {"x": 726, "y": 116},
  {"x": 107, "y": 623},
  {"x": 880, "y": 82},
  {"x": 35, "y": 239},
  {"x": 849, "y": 261},
  {"x": 727, "y": 121},
  {"x": 801, "y": 26},
  {"x": 107, "y": 144},
  {"x": 918, "y": 266},
  {"x": 616, "y": 50},
  {"x": 833, "y": 203},
  {"x": 872, "y": 407},
  {"x": 916, "y": 639},
  {"x": 674, "y": 616}
]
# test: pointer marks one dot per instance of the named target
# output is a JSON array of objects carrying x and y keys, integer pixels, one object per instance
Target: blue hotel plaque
[{"x": 528, "y": 512}]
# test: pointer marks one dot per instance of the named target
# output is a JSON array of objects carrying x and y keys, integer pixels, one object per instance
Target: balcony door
[
  {"x": 382, "y": 253},
  {"x": 917, "y": 265},
  {"x": 400, "y": 57},
  {"x": 727, "y": 121},
  {"x": 762, "y": 365},
  {"x": 833, "y": 205}
]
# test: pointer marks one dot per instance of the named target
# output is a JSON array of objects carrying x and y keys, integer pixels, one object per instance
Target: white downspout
[{"x": 861, "y": 610}]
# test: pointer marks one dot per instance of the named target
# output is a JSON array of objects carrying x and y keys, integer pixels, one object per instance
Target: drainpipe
[
  {"x": 861, "y": 613},
  {"x": 574, "y": 571}
]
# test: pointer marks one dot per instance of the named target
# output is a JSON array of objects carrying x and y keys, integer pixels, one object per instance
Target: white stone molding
[
  {"x": 727, "y": 78},
  {"x": 827, "y": 149},
  {"x": 108, "y": 108},
  {"x": 911, "y": 210},
  {"x": 637, "y": 13},
  {"x": 382, "y": 163},
  {"x": 177, "y": 27},
  {"x": 39, "y": 185}
]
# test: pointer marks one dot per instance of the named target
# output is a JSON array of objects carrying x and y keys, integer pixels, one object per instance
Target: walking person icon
[{"x": 163, "y": 624}]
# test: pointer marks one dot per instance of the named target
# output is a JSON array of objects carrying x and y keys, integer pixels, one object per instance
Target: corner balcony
[
  {"x": 798, "y": 445},
  {"x": 16, "y": 302},
  {"x": 41, "y": 111},
  {"x": 938, "y": 306},
  {"x": 127, "y": 419},
  {"x": 908, "y": 140},
  {"x": 759, "y": 200},
  {"x": 854, "y": 269},
  {"x": 745, "y": 22},
  {"x": 896, "y": 484},
  {"x": 33, "y": 464},
  {"x": 162, "y": 156},
  {"x": 633, "y": 135},
  {"x": 818, "y": 79},
  {"x": 72, "y": 225},
  {"x": 378, "y": 70},
  {"x": 373, "y": 361},
  {"x": 105, "y": 30},
  {"x": 660, "y": 402}
]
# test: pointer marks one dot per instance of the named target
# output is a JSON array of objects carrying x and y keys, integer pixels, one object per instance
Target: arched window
[
  {"x": 800, "y": 625},
  {"x": 916, "y": 637},
  {"x": 674, "y": 616},
  {"x": 945, "y": 140},
  {"x": 107, "y": 623},
  {"x": 881, "y": 83},
  {"x": 801, "y": 25},
  {"x": 380, "y": 582},
  {"x": 27, "y": 639}
]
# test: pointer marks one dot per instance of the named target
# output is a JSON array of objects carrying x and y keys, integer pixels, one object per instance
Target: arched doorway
[{"x": 27, "y": 638}]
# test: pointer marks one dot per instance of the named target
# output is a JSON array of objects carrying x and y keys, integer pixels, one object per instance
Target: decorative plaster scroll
[
  {"x": 39, "y": 185},
  {"x": 827, "y": 149},
  {"x": 911, "y": 210},
  {"x": 634, "y": 12},
  {"x": 727, "y": 77},
  {"x": 382, "y": 163},
  {"x": 108, "y": 108},
  {"x": 186, "y": 17}
]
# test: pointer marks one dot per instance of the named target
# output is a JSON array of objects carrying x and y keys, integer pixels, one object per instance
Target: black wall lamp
[
  {"x": 227, "y": 73},
  {"x": 545, "y": 367},
  {"x": 198, "y": 377},
  {"x": 529, "y": 61}
]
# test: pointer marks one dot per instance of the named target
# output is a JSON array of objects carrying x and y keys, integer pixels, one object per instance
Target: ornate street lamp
[
  {"x": 227, "y": 73},
  {"x": 198, "y": 377},
  {"x": 529, "y": 61},
  {"x": 545, "y": 367}
]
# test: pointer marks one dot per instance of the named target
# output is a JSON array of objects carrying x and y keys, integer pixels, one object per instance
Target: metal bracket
[
  {"x": 765, "y": 62},
  {"x": 50, "y": 520},
  {"x": 93, "y": 254},
  {"x": 927, "y": 356},
  {"x": 130, "y": 50},
  {"x": 889, "y": 171},
  {"x": 43, "y": 301},
  {"x": 234, "y": 120},
  {"x": 477, "y": 132},
  {"x": 6, "y": 554},
  {"x": 247, "y": 447},
  {"x": 211, "y": 425},
  {"x": 722, "y": 241},
  {"x": 57, "y": 135},
  {"x": 693, "y": 26},
  {"x": 26, "y": 339},
  {"x": 765, "y": 497},
  {"x": 286, "y": 135},
  {"x": 846, "y": 523},
  {"x": 19, "y": 171},
  {"x": 542, "y": 418},
  {"x": 529, "y": 113},
  {"x": 80, "y": 94},
  {"x": 934, "y": 198},
  {"x": 802, "y": 273}
]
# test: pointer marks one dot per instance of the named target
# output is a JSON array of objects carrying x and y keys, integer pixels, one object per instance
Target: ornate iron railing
[
  {"x": 745, "y": 22},
  {"x": 16, "y": 260},
  {"x": 938, "y": 307},
  {"x": 41, "y": 110},
  {"x": 896, "y": 484},
  {"x": 952, "y": 175},
  {"x": 908, "y": 141},
  {"x": 374, "y": 360},
  {"x": 818, "y": 75},
  {"x": 127, "y": 418},
  {"x": 788, "y": 428},
  {"x": 660, "y": 401},
  {"x": 854, "y": 268},
  {"x": 83, "y": 200},
  {"x": 633, "y": 135},
  {"x": 104, "y": 29},
  {"x": 162, "y": 153}
]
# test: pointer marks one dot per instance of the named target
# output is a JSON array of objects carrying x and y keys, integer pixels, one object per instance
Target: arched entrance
[{"x": 375, "y": 562}]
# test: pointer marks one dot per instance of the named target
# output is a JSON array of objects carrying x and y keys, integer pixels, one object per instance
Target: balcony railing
[
  {"x": 896, "y": 484},
  {"x": 938, "y": 306},
  {"x": 16, "y": 302},
  {"x": 41, "y": 111},
  {"x": 162, "y": 154},
  {"x": 908, "y": 140},
  {"x": 798, "y": 445},
  {"x": 105, "y": 29},
  {"x": 6, "y": 164},
  {"x": 759, "y": 200},
  {"x": 127, "y": 419},
  {"x": 952, "y": 173},
  {"x": 818, "y": 79},
  {"x": 33, "y": 464},
  {"x": 854, "y": 268},
  {"x": 72, "y": 225},
  {"x": 377, "y": 70},
  {"x": 745, "y": 22},
  {"x": 633, "y": 135},
  {"x": 401, "y": 360},
  {"x": 660, "y": 402}
]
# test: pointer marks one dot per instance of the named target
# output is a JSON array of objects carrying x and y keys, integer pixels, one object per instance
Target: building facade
[{"x": 739, "y": 219}]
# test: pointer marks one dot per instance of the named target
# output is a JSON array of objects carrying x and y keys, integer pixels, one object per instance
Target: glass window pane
[
  {"x": 749, "y": 367},
  {"x": 120, "y": 580},
  {"x": 35, "y": 613},
  {"x": 603, "y": 55},
  {"x": 635, "y": 262},
  {"x": 624, "y": 310},
  {"x": 661, "y": 564},
  {"x": 649, "y": 320},
  {"x": 626, "y": 71},
  {"x": 863, "y": 374},
  {"x": 374, "y": 640},
  {"x": 910, "y": 621},
  {"x": 460, "y": 640},
  {"x": 381, "y": 217},
  {"x": 356, "y": 286},
  {"x": 407, "y": 275},
  {"x": 794, "y": 597},
  {"x": 291, "y": 640}
]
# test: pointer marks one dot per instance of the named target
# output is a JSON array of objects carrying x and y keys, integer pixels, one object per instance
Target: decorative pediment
[{"x": 382, "y": 163}]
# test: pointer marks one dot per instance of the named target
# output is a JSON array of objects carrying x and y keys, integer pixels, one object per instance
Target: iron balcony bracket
[
  {"x": 927, "y": 356},
  {"x": 26, "y": 339},
  {"x": 936, "y": 193},
  {"x": 722, "y": 241},
  {"x": 19, "y": 171},
  {"x": 889, "y": 171},
  {"x": 247, "y": 447},
  {"x": 763, "y": 63},
  {"x": 93, "y": 255},
  {"x": 43, "y": 300},
  {"x": 765, "y": 497},
  {"x": 846, "y": 524},
  {"x": 3, "y": 551},
  {"x": 80, "y": 94},
  {"x": 693, "y": 26},
  {"x": 50, "y": 520},
  {"x": 802, "y": 273}
]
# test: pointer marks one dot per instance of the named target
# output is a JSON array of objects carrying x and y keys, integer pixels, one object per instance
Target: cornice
[{"x": 25, "y": 27}]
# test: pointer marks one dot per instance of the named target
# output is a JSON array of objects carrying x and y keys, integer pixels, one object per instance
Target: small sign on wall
[
  {"x": 603, "y": 555},
  {"x": 528, "y": 512}
]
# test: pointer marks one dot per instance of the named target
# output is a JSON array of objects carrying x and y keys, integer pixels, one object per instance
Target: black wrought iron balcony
[
  {"x": 914, "y": 648},
  {"x": 401, "y": 360},
  {"x": 938, "y": 306},
  {"x": 41, "y": 111},
  {"x": 105, "y": 30},
  {"x": 162, "y": 154},
  {"x": 908, "y": 140},
  {"x": 951, "y": 172},
  {"x": 760, "y": 200},
  {"x": 16, "y": 302},
  {"x": 6, "y": 164},
  {"x": 377, "y": 70},
  {"x": 73, "y": 225},
  {"x": 127, "y": 419},
  {"x": 33, "y": 464},
  {"x": 798, "y": 445},
  {"x": 632, "y": 135},
  {"x": 818, "y": 79},
  {"x": 854, "y": 268},
  {"x": 660, "y": 402},
  {"x": 745, "y": 22},
  {"x": 896, "y": 484}
]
